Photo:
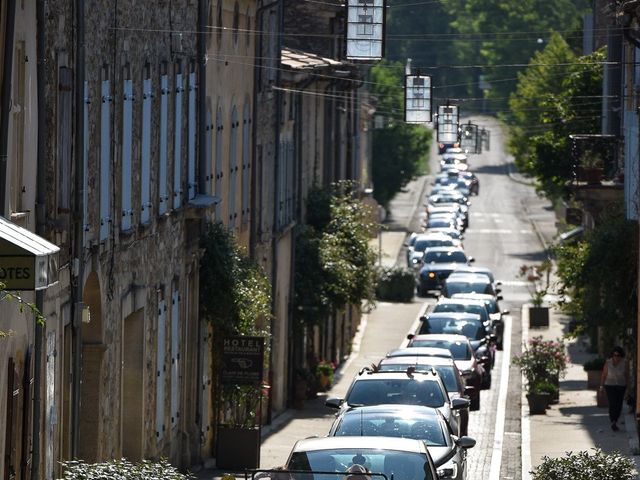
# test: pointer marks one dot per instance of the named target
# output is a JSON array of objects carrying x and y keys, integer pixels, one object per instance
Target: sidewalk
[{"x": 575, "y": 423}]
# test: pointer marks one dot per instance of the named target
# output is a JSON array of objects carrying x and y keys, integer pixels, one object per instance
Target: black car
[
  {"x": 467, "y": 283},
  {"x": 438, "y": 263}
]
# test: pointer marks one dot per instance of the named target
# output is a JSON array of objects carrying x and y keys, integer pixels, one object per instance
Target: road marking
[
  {"x": 500, "y": 231},
  {"x": 416, "y": 323},
  {"x": 501, "y": 409},
  {"x": 525, "y": 426}
]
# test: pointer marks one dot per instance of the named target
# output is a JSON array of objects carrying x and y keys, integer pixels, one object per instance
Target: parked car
[
  {"x": 468, "y": 305},
  {"x": 405, "y": 388},
  {"x": 409, "y": 421},
  {"x": 473, "y": 182},
  {"x": 471, "y": 326},
  {"x": 427, "y": 240},
  {"x": 452, "y": 209},
  {"x": 461, "y": 350},
  {"x": 446, "y": 368},
  {"x": 397, "y": 458},
  {"x": 452, "y": 232},
  {"x": 447, "y": 196},
  {"x": 480, "y": 271},
  {"x": 437, "y": 264},
  {"x": 495, "y": 313}
]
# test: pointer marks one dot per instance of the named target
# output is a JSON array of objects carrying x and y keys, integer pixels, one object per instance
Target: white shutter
[
  {"x": 246, "y": 122},
  {"x": 164, "y": 125},
  {"x": 127, "y": 127},
  {"x": 160, "y": 369},
  {"x": 145, "y": 163},
  {"x": 219, "y": 175},
  {"x": 85, "y": 166},
  {"x": 177, "y": 145},
  {"x": 105, "y": 159},
  {"x": 209, "y": 152},
  {"x": 175, "y": 358},
  {"x": 233, "y": 168},
  {"x": 191, "y": 141}
]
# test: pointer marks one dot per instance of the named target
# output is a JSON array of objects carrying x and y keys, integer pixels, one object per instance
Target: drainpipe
[
  {"x": 77, "y": 291},
  {"x": 5, "y": 100},
  {"x": 40, "y": 230}
]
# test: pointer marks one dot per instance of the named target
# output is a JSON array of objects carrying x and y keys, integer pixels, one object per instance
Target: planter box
[
  {"x": 593, "y": 379},
  {"x": 238, "y": 448},
  {"x": 538, "y": 403},
  {"x": 538, "y": 316}
]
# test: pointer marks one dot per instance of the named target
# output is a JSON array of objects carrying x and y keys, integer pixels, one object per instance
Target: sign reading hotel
[{"x": 242, "y": 360}]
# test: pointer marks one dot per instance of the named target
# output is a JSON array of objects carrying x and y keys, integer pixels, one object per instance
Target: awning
[{"x": 27, "y": 261}]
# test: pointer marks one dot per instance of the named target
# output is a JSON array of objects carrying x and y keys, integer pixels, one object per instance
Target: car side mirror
[
  {"x": 471, "y": 260},
  {"x": 493, "y": 337},
  {"x": 334, "y": 402},
  {"x": 506, "y": 312},
  {"x": 469, "y": 389},
  {"x": 410, "y": 336},
  {"x": 459, "y": 403},
  {"x": 466, "y": 442},
  {"x": 499, "y": 297},
  {"x": 498, "y": 282},
  {"x": 423, "y": 318}
]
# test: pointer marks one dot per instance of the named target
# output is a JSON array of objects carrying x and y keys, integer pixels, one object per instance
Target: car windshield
[
  {"x": 462, "y": 308},
  {"x": 393, "y": 424},
  {"x": 446, "y": 372},
  {"x": 468, "y": 287},
  {"x": 459, "y": 350},
  {"x": 404, "y": 391},
  {"x": 421, "y": 245},
  {"x": 473, "y": 330},
  {"x": 445, "y": 257},
  {"x": 402, "y": 465}
]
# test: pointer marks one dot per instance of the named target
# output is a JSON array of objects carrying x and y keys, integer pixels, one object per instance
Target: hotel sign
[{"x": 242, "y": 360}]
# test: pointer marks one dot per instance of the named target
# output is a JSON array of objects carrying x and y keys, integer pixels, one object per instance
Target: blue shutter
[
  {"x": 127, "y": 127},
  {"x": 219, "y": 174},
  {"x": 175, "y": 358},
  {"x": 85, "y": 166},
  {"x": 105, "y": 160},
  {"x": 191, "y": 141},
  {"x": 177, "y": 145},
  {"x": 145, "y": 167},
  {"x": 246, "y": 122},
  {"x": 160, "y": 368},
  {"x": 233, "y": 168},
  {"x": 209, "y": 152},
  {"x": 164, "y": 125}
]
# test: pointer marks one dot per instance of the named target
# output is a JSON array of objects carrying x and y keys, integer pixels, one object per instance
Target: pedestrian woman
[{"x": 614, "y": 379}]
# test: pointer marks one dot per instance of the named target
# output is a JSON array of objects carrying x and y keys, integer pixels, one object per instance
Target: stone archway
[{"x": 93, "y": 348}]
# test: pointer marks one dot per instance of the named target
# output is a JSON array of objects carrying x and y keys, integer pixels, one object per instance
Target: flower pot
[
  {"x": 538, "y": 403},
  {"x": 538, "y": 316},
  {"x": 324, "y": 381},
  {"x": 593, "y": 379},
  {"x": 238, "y": 448},
  {"x": 589, "y": 175}
]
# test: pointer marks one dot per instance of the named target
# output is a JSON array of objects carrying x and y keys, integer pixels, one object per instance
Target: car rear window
[
  {"x": 425, "y": 428},
  {"x": 409, "y": 391},
  {"x": 445, "y": 257},
  {"x": 459, "y": 350}
]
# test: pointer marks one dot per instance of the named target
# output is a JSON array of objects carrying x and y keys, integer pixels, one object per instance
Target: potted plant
[
  {"x": 582, "y": 466},
  {"x": 590, "y": 169},
  {"x": 538, "y": 278},
  {"x": 324, "y": 373},
  {"x": 594, "y": 368}
]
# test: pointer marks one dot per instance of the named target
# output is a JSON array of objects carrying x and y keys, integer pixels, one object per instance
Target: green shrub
[
  {"x": 121, "y": 470},
  {"x": 582, "y": 466},
  {"x": 395, "y": 284},
  {"x": 544, "y": 386}
]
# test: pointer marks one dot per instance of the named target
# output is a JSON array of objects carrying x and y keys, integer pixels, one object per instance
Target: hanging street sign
[
  {"x": 447, "y": 124},
  {"x": 242, "y": 360},
  {"x": 365, "y": 29},
  {"x": 417, "y": 99},
  {"x": 469, "y": 138}
]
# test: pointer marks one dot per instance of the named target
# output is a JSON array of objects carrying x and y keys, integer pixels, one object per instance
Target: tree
[{"x": 399, "y": 149}]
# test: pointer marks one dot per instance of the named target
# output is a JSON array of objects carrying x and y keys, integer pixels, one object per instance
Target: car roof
[
  {"x": 430, "y": 235},
  {"x": 373, "y": 443},
  {"x": 444, "y": 249},
  {"x": 468, "y": 277},
  {"x": 419, "y": 360},
  {"x": 481, "y": 296},
  {"x": 370, "y": 375},
  {"x": 419, "y": 352},
  {"x": 474, "y": 269},
  {"x": 393, "y": 408},
  {"x": 461, "y": 300}
]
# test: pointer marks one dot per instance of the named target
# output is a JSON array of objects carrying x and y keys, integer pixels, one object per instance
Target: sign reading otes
[{"x": 242, "y": 360}]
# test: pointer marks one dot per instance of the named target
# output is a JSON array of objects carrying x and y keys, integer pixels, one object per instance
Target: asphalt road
[{"x": 500, "y": 236}]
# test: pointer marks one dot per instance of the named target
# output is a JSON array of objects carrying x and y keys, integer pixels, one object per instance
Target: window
[
  {"x": 163, "y": 196},
  {"x": 127, "y": 127},
  {"x": 17, "y": 183},
  {"x": 145, "y": 161},
  {"x": 192, "y": 132},
  {"x": 85, "y": 165},
  {"x": 160, "y": 366},
  {"x": 246, "y": 166},
  {"x": 208, "y": 177},
  {"x": 177, "y": 145},
  {"x": 175, "y": 358},
  {"x": 64, "y": 124},
  {"x": 105, "y": 156},
  {"x": 219, "y": 173},
  {"x": 285, "y": 183},
  {"x": 233, "y": 167}
]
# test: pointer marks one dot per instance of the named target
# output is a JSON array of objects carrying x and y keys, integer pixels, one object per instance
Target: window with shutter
[
  {"x": 127, "y": 127},
  {"x": 65, "y": 103},
  {"x": 160, "y": 368},
  {"x": 219, "y": 173},
  {"x": 191, "y": 141},
  {"x": 145, "y": 161},
  {"x": 177, "y": 144},
  {"x": 105, "y": 159},
  {"x": 233, "y": 167},
  {"x": 164, "y": 125},
  {"x": 85, "y": 166},
  {"x": 175, "y": 358},
  {"x": 209, "y": 152},
  {"x": 246, "y": 155}
]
